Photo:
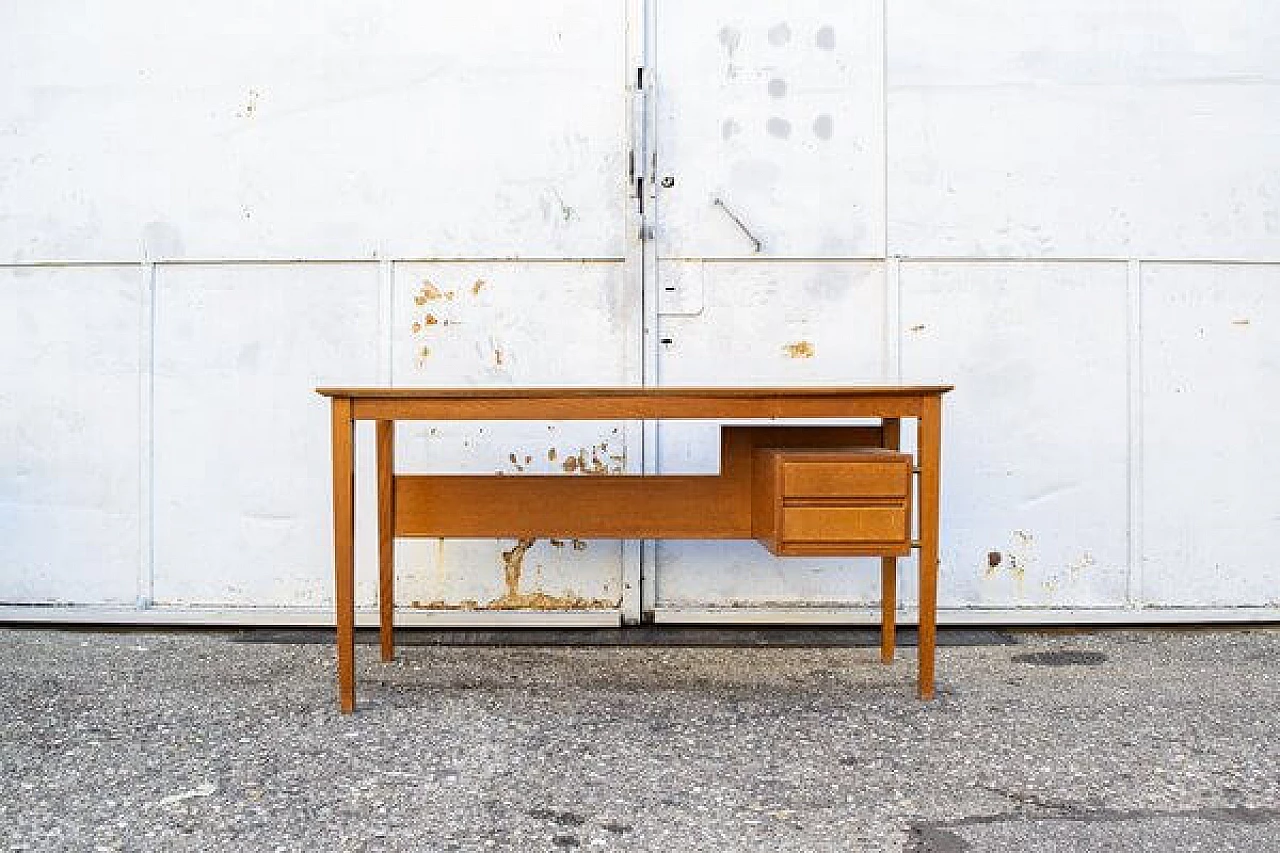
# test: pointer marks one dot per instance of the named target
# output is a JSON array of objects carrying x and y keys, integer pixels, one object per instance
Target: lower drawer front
[{"x": 844, "y": 524}]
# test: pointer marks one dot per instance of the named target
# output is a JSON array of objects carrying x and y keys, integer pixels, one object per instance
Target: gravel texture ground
[{"x": 1154, "y": 740}]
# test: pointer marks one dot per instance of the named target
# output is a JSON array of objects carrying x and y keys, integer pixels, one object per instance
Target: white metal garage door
[
  {"x": 1072, "y": 212},
  {"x": 770, "y": 253},
  {"x": 1046, "y": 206},
  {"x": 215, "y": 208}
]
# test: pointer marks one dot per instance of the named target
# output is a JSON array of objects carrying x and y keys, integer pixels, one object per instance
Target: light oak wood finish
[
  {"x": 590, "y": 396},
  {"x": 891, "y": 439},
  {"x": 670, "y": 506},
  {"x": 634, "y": 403},
  {"x": 818, "y": 477},
  {"x": 929, "y": 439},
  {"x": 386, "y": 440},
  {"x": 344, "y": 529},
  {"x": 851, "y": 502},
  {"x": 832, "y": 502},
  {"x": 865, "y": 529}
]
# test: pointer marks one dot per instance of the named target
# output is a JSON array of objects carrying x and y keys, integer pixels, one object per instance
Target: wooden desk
[{"x": 830, "y": 490}]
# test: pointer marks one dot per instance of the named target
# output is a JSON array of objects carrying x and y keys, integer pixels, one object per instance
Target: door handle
[{"x": 719, "y": 202}]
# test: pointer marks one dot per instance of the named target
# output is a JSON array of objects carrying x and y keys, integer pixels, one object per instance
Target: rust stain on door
[
  {"x": 800, "y": 349},
  {"x": 513, "y": 599}
]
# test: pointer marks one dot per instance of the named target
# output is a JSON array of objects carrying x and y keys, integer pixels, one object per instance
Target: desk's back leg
[
  {"x": 344, "y": 565},
  {"x": 930, "y": 461},
  {"x": 891, "y": 439},
  {"x": 386, "y": 538},
  {"x": 888, "y": 606}
]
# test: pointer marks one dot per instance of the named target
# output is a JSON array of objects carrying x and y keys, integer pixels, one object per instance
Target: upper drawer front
[{"x": 846, "y": 479}]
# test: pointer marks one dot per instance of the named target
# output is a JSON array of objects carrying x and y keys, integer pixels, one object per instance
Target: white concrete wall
[{"x": 1070, "y": 211}]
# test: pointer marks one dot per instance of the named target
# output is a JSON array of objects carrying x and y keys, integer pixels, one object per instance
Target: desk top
[
  {"x": 539, "y": 393},
  {"x": 633, "y": 403}
]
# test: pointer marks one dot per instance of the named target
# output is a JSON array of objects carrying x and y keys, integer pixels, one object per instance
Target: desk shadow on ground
[{"x": 672, "y": 636}]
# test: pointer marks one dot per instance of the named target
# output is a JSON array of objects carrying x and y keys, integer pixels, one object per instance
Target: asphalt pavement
[{"x": 1124, "y": 740}]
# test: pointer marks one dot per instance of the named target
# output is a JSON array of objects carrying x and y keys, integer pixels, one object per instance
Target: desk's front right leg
[{"x": 344, "y": 519}]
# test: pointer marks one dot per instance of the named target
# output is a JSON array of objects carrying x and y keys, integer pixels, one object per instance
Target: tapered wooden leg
[
  {"x": 888, "y": 606},
  {"x": 930, "y": 459},
  {"x": 891, "y": 439},
  {"x": 386, "y": 538},
  {"x": 344, "y": 523}
]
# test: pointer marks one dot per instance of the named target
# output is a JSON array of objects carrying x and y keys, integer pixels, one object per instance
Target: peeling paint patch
[
  {"x": 1017, "y": 558},
  {"x": 441, "y": 604},
  {"x": 1074, "y": 568},
  {"x": 478, "y": 286},
  {"x": 1021, "y": 555},
  {"x": 609, "y": 464},
  {"x": 567, "y": 213},
  {"x": 427, "y": 292},
  {"x": 1086, "y": 561},
  {"x": 800, "y": 349},
  {"x": 433, "y": 296},
  {"x": 250, "y": 106},
  {"x": 545, "y": 601}
]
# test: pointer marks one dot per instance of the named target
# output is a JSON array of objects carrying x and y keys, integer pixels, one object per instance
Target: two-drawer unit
[{"x": 841, "y": 502}]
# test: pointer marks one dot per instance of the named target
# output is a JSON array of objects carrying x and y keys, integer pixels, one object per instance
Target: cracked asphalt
[{"x": 200, "y": 741}]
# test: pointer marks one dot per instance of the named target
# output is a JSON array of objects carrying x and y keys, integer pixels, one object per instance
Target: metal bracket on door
[{"x": 719, "y": 202}]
